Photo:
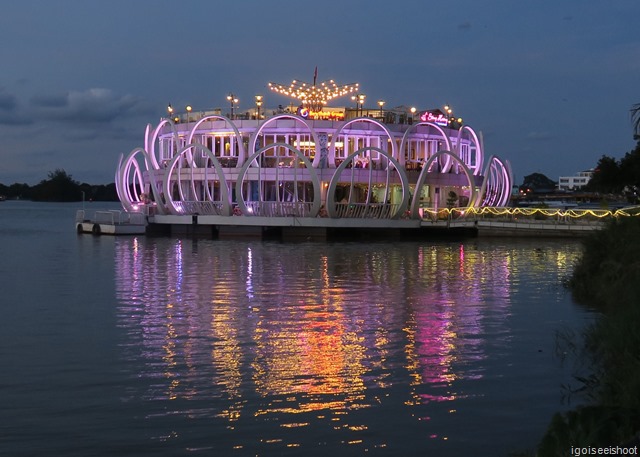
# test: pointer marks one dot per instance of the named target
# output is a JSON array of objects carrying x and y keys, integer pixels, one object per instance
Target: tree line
[
  {"x": 613, "y": 176},
  {"x": 60, "y": 187}
]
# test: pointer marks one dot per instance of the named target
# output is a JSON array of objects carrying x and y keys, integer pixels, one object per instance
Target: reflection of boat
[{"x": 111, "y": 222}]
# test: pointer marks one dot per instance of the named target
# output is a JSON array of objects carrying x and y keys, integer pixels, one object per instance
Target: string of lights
[
  {"x": 532, "y": 212},
  {"x": 312, "y": 96}
]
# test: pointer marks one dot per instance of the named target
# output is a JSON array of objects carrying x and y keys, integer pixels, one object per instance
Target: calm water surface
[{"x": 137, "y": 346}]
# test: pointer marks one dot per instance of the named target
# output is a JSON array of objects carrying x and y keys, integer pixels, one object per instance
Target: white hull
[{"x": 111, "y": 223}]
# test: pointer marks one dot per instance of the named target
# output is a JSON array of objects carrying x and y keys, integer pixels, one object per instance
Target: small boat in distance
[
  {"x": 2, "y": 198},
  {"x": 111, "y": 222}
]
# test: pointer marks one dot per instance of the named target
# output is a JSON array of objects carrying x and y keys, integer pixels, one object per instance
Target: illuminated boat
[{"x": 344, "y": 165}]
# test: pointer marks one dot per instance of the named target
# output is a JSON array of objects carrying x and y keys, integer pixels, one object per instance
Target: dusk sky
[{"x": 549, "y": 83}]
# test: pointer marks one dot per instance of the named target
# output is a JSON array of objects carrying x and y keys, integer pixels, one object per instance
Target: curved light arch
[
  {"x": 479, "y": 152},
  {"x": 415, "y": 205},
  {"x": 499, "y": 179},
  {"x": 151, "y": 141},
  {"x": 122, "y": 186},
  {"x": 413, "y": 127},
  {"x": 166, "y": 184},
  {"x": 335, "y": 179},
  {"x": 336, "y": 134},
  {"x": 241, "y": 154},
  {"x": 315, "y": 181},
  {"x": 254, "y": 137}
]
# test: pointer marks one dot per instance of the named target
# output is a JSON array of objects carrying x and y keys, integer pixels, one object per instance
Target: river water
[{"x": 134, "y": 346}]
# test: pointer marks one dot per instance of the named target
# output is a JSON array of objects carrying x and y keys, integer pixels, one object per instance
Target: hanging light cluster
[{"x": 312, "y": 96}]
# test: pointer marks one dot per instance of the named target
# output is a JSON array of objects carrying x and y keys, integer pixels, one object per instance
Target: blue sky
[{"x": 549, "y": 83}]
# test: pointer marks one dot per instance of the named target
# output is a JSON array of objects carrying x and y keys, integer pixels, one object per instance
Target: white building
[{"x": 575, "y": 182}]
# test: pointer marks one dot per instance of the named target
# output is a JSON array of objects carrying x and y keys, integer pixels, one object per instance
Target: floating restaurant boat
[{"x": 308, "y": 165}]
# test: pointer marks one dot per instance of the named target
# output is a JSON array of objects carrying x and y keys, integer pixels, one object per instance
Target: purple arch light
[
  {"x": 336, "y": 135},
  {"x": 333, "y": 184},
  {"x": 254, "y": 137},
  {"x": 415, "y": 205},
  {"x": 167, "y": 182},
  {"x": 313, "y": 175}
]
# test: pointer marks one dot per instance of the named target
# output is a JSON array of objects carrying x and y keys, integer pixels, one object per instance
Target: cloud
[
  {"x": 8, "y": 101},
  {"x": 93, "y": 106},
  {"x": 10, "y": 111},
  {"x": 464, "y": 26}
]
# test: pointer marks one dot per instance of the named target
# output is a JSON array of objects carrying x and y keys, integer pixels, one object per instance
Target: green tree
[
  {"x": 537, "y": 182},
  {"x": 60, "y": 187},
  {"x": 606, "y": 177}
]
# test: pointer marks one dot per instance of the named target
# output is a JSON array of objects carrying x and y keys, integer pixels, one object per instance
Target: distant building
[{"x": 575, "y": 182}]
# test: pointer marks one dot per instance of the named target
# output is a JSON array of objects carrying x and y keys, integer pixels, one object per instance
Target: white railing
[
  {"x": 116, "y": 217},
  {"x": 202, "y": 208},
  {"x": 279, "y": 209},
  {"x": 366, "y": 210}
]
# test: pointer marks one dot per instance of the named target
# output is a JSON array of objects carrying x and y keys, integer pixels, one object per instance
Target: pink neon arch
[
  {"x": 123, "y": 189},
  {"x": 445, "y": 136},
  {"x": 415, "y": 205},
  {"x": 336, "y": 135},
  {"x": 242, "y": 152},
  {"x": 393, "y": 163},
  {"x": 254, "y": 137},
  {"x": 477, "y": 168},
  {"x": 496, "y": 187},
  {"x": 166, "y": 184},
  {"x": 150, "y": 141},
  {"x": 315, "y": 180}
]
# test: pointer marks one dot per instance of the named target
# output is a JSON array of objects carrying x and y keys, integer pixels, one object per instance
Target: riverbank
[{"x": 607, "y": 278}]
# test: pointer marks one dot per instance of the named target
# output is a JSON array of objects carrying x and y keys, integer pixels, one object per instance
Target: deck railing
[
  {"x": 279, "y": 209},
  {"x": 199, "y": 207},
  {"x": 366, "y": 210},
  {"x": 112, "y": 217}
]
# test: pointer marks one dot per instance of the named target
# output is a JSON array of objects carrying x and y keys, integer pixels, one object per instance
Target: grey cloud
[
  {"x": 49, "y": 101},
  {"x": 8, "y": 102},
  {"x": 9, "y": 110},
  {"x": 93, "y": 106}
]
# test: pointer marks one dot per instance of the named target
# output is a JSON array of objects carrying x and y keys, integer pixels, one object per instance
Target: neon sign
[
  {"x": 320, "y": 115},
  {"x": 436, "y": 118}
]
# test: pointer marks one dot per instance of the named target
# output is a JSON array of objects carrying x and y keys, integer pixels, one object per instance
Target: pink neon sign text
[{"x": 439, "y": 119}]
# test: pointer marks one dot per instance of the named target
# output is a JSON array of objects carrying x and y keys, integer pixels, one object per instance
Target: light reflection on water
[{"x": 309, "y": 349}]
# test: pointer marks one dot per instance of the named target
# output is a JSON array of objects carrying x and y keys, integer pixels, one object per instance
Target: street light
[
  {"x": 233, "y": 100},
  {"x": 449, "y": 111},
  {"x": 170, "y": 110},
  {"x": 413, "y": 113},
  {"x": 258, "y": 105},
  {"x": 188, "y": 112},
  {"x": 361, "y": 98},
  {"x": 381, "y": 104}
]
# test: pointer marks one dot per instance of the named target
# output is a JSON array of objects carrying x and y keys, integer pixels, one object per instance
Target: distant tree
[
  {"x": 60, "y": 187},
  {"x": 19, "y": 191},
  {"x": 630, "y": 173},
  {"x": 99, "y": 192},
  {"x": 607, "y": 177},
  {"x": 537, "y": 183}
]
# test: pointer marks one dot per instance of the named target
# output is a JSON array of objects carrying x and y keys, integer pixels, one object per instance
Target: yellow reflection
[{"x": 320, "y": 361}]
